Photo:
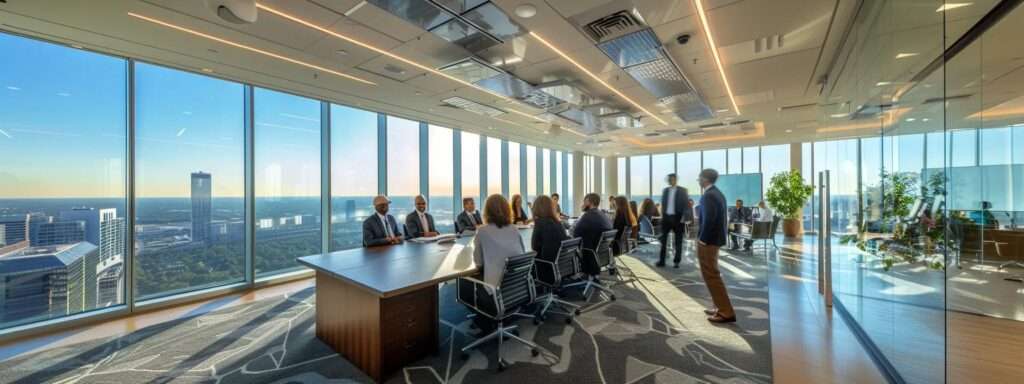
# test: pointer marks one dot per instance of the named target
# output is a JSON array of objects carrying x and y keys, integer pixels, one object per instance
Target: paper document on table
[{"x": 439, "y": 238}]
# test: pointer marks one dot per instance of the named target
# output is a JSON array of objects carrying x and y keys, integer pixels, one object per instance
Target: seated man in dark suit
[
  {"x": 381, "y": 228},
  {"x": 591, "y": 224},
  {"x": 419, "y": 223},
  {"x": 469, "y": 219},
  {"x": 737, "y": 215}
]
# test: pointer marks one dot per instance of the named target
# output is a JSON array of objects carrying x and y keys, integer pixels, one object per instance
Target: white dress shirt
[
  {"x": 423, "y": 221},
  {"x": 670, "y": 205},
  {"x": 387, "y": 225}
]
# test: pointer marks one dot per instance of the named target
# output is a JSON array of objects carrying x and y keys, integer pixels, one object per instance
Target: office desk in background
[{"x": 378, "y": 306}]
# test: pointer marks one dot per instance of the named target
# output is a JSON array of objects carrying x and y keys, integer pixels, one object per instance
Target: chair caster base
[
  {"x": 611, "y": 297},
  {"x": 464, "y": 356},
  {"x": 537, "y": 320},
  {"x": 502, "y": 365},
  {"x": 534, "y": 352},
  {"x": 568, "y": 320}
]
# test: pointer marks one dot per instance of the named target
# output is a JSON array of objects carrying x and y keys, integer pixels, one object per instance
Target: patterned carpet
[{"x": 654, "y": 333}]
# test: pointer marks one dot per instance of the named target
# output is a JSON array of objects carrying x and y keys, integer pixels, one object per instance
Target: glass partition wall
[
  {"x": 213, "y": 186},
  {"x": 921, "y": 135}
]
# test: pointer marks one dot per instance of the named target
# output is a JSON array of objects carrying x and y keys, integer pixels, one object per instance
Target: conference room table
[{"x": 378, "y": 306}]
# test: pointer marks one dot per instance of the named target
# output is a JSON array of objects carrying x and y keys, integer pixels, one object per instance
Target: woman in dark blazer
[
  {"x": 518, "y": 213},
  {"x": 548, "y": 232},
  {"x": 624, "y": 222}
]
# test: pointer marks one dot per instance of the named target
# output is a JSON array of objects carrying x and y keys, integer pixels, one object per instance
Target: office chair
[
  {"x": 647, "y": 234},
  {"x": 551, "y": 274},
  {"x": 501, "y": 303},
  {"x": 601, "y": 256}
]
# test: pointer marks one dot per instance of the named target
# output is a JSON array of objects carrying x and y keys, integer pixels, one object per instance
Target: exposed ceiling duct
[
  {"x": 472, "y": 24},
  {"x": 627, "y": 40}
]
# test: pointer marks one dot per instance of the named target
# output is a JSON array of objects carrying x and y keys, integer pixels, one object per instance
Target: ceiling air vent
[
  {"x": 652, "y": 134},
  {"x": 611, "y": 25},
  {"x": 473, "y": 106},
  {"x": 712, "y": 125}
]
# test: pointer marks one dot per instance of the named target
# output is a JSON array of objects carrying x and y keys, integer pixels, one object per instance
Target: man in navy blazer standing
[
  {"x": 381, "y": 228},
  {"x": 711, "y": 237},
  {"x": 675, "y": 213}
]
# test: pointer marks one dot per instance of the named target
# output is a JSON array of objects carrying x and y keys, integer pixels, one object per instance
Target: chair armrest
[
  {"x": 469, "y": 291},
  {"x": 480, "y": 283}
]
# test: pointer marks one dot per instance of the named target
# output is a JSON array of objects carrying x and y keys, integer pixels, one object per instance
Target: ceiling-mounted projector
[{"x": 234, "y": 11}]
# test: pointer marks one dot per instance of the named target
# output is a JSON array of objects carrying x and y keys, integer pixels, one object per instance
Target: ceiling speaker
[{"x": 234, "y": 11}]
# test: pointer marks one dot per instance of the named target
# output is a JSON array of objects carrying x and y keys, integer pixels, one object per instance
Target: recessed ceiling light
[
  {"x": 789, "y": 131},
  {"x": 355, "y": 8},
  {"x": 948, "y": 6},
  {"x": 723, "y": 110},
  {"x": 910, "y": 119},
  {"x": 247, "y": 48},
  {"x": 839, "y": 115},
  {"x": 207, "y": 70},
  {"x": 526, "y": 11},
  {"x": 904, "y": 55},
  {"x": 883, "y": 83},
  {"x": 342, "y": 52},
  {"x": 925, "y": 119},
  {"x": 76, "y": 46},
  {"x": 418, "y": 93}
]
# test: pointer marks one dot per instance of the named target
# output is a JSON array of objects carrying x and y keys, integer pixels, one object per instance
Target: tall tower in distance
[{"x": 201, "y": 202}]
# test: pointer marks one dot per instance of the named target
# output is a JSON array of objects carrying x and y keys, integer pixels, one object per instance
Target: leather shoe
[
  {"x": 719, "y": 319},
  {"x": 676, "y": 266},
  {"x": 711, "y": 311},
  {"x": 660, "y": 264}
]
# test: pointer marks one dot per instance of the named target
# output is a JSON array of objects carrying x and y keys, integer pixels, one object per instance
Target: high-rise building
[
  {"x": 48, "y": 281},
  {"x": 109, "y": 282},
  {"x": 350, "y": 210},
  {"x": 15, "y": 228},
  {"x": 201, "y": 206},
  {"x": 102, "y": 228},
  {"x": 57, "y": 233}
]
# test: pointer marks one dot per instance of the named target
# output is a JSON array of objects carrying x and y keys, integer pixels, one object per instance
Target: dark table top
[{"x": 396, "y": 269}]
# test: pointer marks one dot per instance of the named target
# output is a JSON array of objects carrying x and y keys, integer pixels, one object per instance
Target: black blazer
[
  {"x": 713, "y": 220},
  {"x": 412, "y": 225},
  {"x": 463, "y": 222},
  {"x": 589, "y": 227},
  {"x": 519, "y": 218},
  {"x": 547, "y": 238},
  {"x": 621, "y": 224},
  {"x": 744, "y": 215},
  {"x": 374, "y": 232},
  {"x": 682, "y": 205}
]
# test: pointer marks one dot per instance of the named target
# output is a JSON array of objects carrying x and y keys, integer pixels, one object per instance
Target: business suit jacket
[
  {"x": 414, "y": 228},
  {"x": 374, "y": 232},
  {"x": 682, "y": 204},
  {"x": 590, "y": 226},
  {"x": 547, "y": 238},
  {"x": 743, "y": 215},
  {"x": 713, "y": 220},
  {"x": 463, "y": 222}
]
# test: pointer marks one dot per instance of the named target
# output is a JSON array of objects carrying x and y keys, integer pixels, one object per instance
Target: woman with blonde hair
[{"x": 518, "y": 213}]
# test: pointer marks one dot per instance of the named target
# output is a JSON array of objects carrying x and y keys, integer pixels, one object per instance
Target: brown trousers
[{"x": 707, "y": 255}]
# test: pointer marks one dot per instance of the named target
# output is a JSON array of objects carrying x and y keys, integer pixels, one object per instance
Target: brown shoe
[
  {"x": 719, "y": 319},
  {"x": 711, "y": 311}
]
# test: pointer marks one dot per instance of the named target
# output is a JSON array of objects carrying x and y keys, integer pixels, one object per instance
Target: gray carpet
[{"x": 654, "y": 333}]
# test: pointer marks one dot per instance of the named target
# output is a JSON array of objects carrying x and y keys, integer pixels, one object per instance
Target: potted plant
[{"x": 787, "y": 195}]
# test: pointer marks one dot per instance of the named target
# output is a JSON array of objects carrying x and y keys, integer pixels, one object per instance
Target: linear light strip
[
  {"x": 248, "y": 48},
  {"x": 391, "y": 55},
  {"x": 714, "y": 52},
  {"x": 593, "y": 76}
]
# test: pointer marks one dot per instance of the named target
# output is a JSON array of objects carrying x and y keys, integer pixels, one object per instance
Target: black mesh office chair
[
  {"x": 552, "y": 274},
  {"x": 603, "y": 258},
  {"x": 501, "y": 303}
]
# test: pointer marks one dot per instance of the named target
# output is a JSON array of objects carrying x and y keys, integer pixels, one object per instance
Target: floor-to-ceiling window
[
  {"x": 493, "y": 166},
  {"x": 531, "y": 174},
  {"x": 63, "y": 124},
  {"x": 403, "y": 165},
  {"x": 514, "y": 169},
  {"x": 639, "y": 178},
  {"x": 688, "y": 167},
  {"x": 189, "y": 181},
  {"x": 621, "y": 176},
  {"x": 568, "y": 200},
  {"x": 735, "y": 160},
  {"x": 287, "y": 180},
  {"x": 661, "y": 166},
  {"x": 471, "y": 167},
  {"x": 774, "y": 160},
  {"x": 353, "y": 174},
  {"x": 440, "y": 144},
  {"x": 545, "y": 163},
  {"x": 715, "y": 160}
]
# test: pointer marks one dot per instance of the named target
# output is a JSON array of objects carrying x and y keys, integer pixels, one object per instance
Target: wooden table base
[{"x": 377, "y": 334}]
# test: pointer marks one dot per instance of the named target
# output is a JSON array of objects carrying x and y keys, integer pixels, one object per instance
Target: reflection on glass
[
  {"x": 63, "y": 176},
  {"x": 287, "y": 180},
  {"x": 189, "y": 181},
  {"x": 353, "y": 174},
  {"x": 442, "y": 179}
]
